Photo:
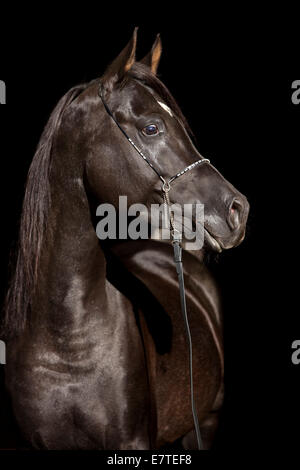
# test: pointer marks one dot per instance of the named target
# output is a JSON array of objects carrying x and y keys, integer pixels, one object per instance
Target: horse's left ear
[
  {"x": 123, "y": 63},
  {"x": 153, "y": 57}
]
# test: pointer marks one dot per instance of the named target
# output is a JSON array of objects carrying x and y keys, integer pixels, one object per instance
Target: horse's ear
[
  {"x": 123, "y": 63},
  {"x": 153, "y": 57}
]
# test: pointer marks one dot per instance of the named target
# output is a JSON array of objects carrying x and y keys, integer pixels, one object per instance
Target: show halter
[{"x": 176, "y": 242}]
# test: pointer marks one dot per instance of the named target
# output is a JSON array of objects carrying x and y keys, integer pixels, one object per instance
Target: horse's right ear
[
  {"x": 153, "y": 57},
  {"x": 116, "y": 71}
]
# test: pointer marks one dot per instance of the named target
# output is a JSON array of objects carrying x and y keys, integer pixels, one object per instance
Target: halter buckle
[{"x": 166, "y": 186}]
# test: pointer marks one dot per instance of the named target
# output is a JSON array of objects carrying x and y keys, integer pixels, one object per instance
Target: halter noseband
[{"x": 166, "y": 186}]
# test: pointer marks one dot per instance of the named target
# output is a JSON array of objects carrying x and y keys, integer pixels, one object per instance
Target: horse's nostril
[{"x": 235, "y": 211}]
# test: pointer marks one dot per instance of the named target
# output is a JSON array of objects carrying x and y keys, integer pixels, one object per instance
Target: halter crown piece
[{"x": 176, "y": 242}]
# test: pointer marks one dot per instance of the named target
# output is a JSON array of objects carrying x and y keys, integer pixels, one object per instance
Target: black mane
[{"x": 33, "y": 222}]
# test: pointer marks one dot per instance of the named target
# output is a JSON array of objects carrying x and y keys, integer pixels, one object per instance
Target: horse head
[{"x": 143, "y": 107}]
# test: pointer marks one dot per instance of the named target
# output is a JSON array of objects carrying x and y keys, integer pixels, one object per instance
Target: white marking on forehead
[{"x": 165, "y": 107}]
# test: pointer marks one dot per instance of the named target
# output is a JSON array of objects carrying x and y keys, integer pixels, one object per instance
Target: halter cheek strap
[
  {"x": 173, "y": 178},
  {"x": 176, "y": 242}
]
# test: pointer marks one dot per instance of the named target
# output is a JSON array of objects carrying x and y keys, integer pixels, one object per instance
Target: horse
[{"x": 96, "y": 351}]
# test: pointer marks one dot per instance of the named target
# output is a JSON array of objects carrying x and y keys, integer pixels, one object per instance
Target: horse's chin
[
  {"x": 215, "y": 244},
  {"x": 211, "y": 242}
]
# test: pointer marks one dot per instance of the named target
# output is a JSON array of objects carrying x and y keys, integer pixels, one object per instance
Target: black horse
[{"x": 92, "y": 364}]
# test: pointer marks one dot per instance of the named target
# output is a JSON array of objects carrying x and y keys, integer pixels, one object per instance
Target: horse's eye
[{"x": 151, "y": 129}]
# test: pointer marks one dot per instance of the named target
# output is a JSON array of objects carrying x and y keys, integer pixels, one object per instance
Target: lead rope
[{"x": 176, "y": 242}]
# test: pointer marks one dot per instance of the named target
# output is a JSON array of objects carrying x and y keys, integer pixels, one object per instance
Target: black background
[{"x": 242, "y": 115}]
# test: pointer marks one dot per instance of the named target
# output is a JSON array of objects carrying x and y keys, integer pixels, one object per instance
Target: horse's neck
[
  {"x": 153, "y": 263},
  {"x": 72, "y": 273}
]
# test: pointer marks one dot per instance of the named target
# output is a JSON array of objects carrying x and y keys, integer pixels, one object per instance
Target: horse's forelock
[{"x": 143, "y": 74}]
